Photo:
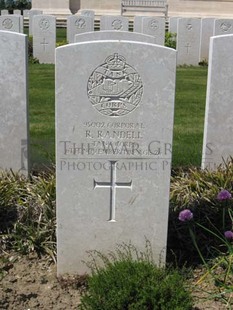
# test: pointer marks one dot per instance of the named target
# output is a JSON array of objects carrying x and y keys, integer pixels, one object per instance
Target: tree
[
  {"x": 2, "y": 4},
  {"x": 23, "y": 4},
  {"x": 10, "y": 5}
]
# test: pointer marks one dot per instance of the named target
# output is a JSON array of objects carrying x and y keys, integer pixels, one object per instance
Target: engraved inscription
[
  {"x": 44, "y": 43},
  {"x": 44, "y": 24},
  {"x": 80, "y": 23},
  {"x": 115, "y": 88},
  {"x": 188, "y": 45},
  {"x": 7, "y": 23},
  {"x": 117, "y": 24},
  {"x": 153, "y": 24},
  {"x": 225, "y": 26},
  {"x": 189, "y": 27},
  {"x": 113, "y": 185}
]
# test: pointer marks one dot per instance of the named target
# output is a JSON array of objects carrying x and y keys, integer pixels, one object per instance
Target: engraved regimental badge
[{"x": 115, "y": 88}]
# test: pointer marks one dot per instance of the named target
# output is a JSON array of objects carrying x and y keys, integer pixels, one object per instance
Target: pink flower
[
  {"x": 228, "y": 234},
  {"x": 223, "y": 195},
  {"x": 185, "y": 215}
]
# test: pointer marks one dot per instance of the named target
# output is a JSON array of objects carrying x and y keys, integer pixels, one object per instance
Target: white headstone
[
  {"x": 207, "y": 30},
  {"x": 31, "y": 14},
  {"x": 116, "y": 23},
  {"x": 173, "y": 22},
  {"x": 114, "y": 35},
  {"x": 12, "y": 23},
  {"x": 114, "y": 124},
  {"x": 25, "y": 13},
  {"x": 44, "y": 38},
  {"x": 137, "y": 26},
  {"x": 88, "y": 13},
  {"x": 17, "y": 12},
  {"x": 223, "y": 27},
  {"x": 188, "y": 41},
  {"x": 13, "y": 103},
  {"x": 4, "y": 12},
  {"x": 218, "y": 142},
  {"x": 78, "y": 24},
  {"x": 154, "y": 26}
]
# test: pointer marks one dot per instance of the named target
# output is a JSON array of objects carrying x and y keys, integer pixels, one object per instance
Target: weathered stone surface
[
  {"x": 78, "y": 24},
  {"x": 223, "y": 27},
  {"x": 12, "y": 23},
  {"x": 218, "y": 143},
  {"x": 114, "y": 125},
  {"x": 207, "y": 30},
  {"x": 117, "y": 23},
  {"x": 13, "y": 103},
  {"x": 155, "y": 27}
]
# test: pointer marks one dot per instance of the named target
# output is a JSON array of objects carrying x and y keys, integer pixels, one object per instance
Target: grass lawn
[{"x": 188, "y": 123}]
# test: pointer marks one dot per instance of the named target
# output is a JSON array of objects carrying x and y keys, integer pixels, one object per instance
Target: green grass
[{"x": 188, "y": 123}]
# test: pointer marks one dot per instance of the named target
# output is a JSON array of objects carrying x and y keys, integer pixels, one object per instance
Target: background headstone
[
  {"x": 78, "y": 24},
  {"x": 114, "y": 125},
  {"x": 173, "y": 22},
  {"x": 12, "y": 23},
  {"x": 88, "y": 13},
  {"x": 44, "y": 38},
  {"x": 13, "y": 103},
  {"x": 218, "y": 132},
  {"x": 116, "y": 23},
  {"x": 17, "y": 12},
  {"x": 31, "y": 14},
  {"x": 25, "y": 13},
  {"x": 154, "y": 26},
  {"x": 137, "y": 26},
  {"x": 188, "y": 41},
  {"x": 207, "y": 30},
  {"x": 4, "y": 12},
  {"x": 114, "y": 35},
  {"x": 223, "y": 27}
]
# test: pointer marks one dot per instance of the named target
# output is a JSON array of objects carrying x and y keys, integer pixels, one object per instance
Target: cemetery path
[{"x": 31, "y": 283}]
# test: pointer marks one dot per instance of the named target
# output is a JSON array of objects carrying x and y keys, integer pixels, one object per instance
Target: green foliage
[
  {"x": 130, "y": 280},
  {"x": 27, "y": 213},
  {"x": 170, "y": 39},
  {"x": 2, "y": 4}
]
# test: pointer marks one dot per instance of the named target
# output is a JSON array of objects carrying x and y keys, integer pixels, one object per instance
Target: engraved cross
[
  {"x": 188, "y": 46},
  {"x": 44, "y": 43},
  {"x": 113, "y": 185}
]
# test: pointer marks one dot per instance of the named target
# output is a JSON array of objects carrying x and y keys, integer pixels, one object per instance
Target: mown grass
[{"x": 188, "y": 123}]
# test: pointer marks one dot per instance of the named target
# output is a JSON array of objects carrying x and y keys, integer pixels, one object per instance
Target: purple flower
[
  {"x": 185, "y": 215},
  {"x": 228, "y": 234},
  {"x": 223, "y": 195}
]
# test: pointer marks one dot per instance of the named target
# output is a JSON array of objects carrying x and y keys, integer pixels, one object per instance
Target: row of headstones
[
  {"x": 114, "y": 125},
  {"x": 15, "y": 12}
]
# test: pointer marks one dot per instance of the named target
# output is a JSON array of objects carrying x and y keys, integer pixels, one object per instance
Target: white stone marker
[
  {"x": 78, "y": 24},
  {"x": 223, "y": 27},
  {"x": 117, "y": 23},
  {"x": 137, "y": 24},
  {"x": 207, "y": 30},
  {"x": 218, "y": 132},
  {"x": 31, "y": 15},
  {"x": 13, "y": 103},
  {"x": 44, "y": 38},
  {"x": 114, "y": 125},
  {"x": 114, "y": 35},
  {"x": 88, "y": 13},
  {"x": 4, "y": 12},
  {"x": 12, "y": 23},
  {"x": 188, "y": 41},
  {"x": 25, "y": 13},
  {"x": 154, "y": 26},
  {"x": 17, "y": 12},
  {"x": 173, "y": 23}
]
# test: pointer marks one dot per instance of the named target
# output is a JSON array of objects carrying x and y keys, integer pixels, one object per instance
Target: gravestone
[
  {"x": 223, "y": 27},
  {"x": 14, "y": 97},
  {"x": 115, "y": 23},
  {"x": 78, "y": 24},
  {"x": 173, "y": 22},
  {"x": 31, "y": 15},
  {"x": 44, "y": 38},
  {"x": 4, "y": 12},
  {"x": 26, "y": 13},
  {"x": 207, "y": 30},
  {"x": 137, "y": 25},
  {"x": 12, "y": 23},
  {"x": 17, "y": 12},
  {"x": 89, "y": 13},
  {"x": 188, "y": 41},
  {"x": 114, "y": 125},
  {"x": 114, "y": 35},
  {"x": 154, "y": 26},
  {"x": 218, "y": 130}
]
